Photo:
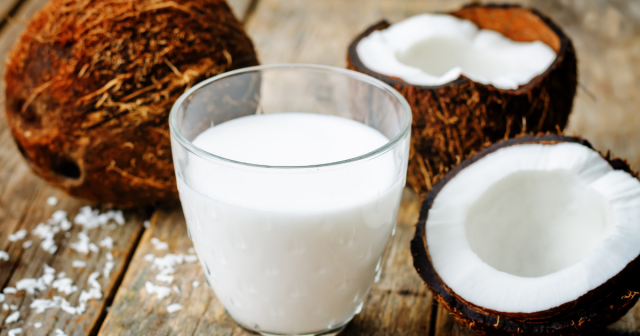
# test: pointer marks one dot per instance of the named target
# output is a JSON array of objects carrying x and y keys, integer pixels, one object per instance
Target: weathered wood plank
[
  {"x": 319, "y": 32},
  {"x": 399, "y": 304},
  {"x": 23, "y": 206},
  {"x": 136, "y": 312},
  {"x": 29, "y": 263},
  {"x": 5, "y": 7},
  {"x": 241, "y": 8}
]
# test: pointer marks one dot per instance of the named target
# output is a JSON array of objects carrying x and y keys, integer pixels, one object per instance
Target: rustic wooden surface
[
  {"x": 23, "y": 206},
  {"x": 5, "y": 7},
  {"x": 398, "y": 304},
  {"x": 607, "y": 39}
]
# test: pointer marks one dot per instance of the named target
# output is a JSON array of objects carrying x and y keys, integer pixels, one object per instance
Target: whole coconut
[{"x": 91, "y": 82}]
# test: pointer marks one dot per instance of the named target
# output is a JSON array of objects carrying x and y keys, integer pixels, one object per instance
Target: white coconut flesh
[
  {"x": 434, "y": 49},
  {"x": 530, "y": 227}
]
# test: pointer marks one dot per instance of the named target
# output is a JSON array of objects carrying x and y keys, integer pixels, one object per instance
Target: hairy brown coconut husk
[
  {"x": 90, "y": 85},
  {"x": 456, "y": 120},
  {"x": 588, "y": 314}
]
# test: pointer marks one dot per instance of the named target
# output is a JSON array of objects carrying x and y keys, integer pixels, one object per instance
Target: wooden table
[{"x": 607, "y": 38}]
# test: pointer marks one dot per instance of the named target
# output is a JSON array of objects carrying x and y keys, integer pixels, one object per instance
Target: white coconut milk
[{"x": 291, "y": 251}]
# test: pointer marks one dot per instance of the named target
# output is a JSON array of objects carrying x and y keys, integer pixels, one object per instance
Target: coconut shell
[
  {"x": 453, "y": 121},
  {"x": 90, "y": 85},
  {"x": 586, "y": 315}
]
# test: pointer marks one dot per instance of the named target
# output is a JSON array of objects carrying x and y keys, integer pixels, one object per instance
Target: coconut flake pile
[
  {"x": 89, "y": 219},
  {"x": 530, "y": 227},
  {"x": 434, "y": 49},
  {"x": 166, "y": 268}
]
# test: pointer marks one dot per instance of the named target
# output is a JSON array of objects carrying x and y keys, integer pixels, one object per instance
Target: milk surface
[{"x": 291, "y": 251}]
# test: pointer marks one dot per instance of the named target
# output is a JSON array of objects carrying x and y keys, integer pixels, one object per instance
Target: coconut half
[
  {"x": 434, "y": 49},
  {"x": 534, "y": 235},
  {"x": 476, "y": 76}
]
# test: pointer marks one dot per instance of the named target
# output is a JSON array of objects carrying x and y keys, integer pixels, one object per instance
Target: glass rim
[{"x": 177, "y": 134}]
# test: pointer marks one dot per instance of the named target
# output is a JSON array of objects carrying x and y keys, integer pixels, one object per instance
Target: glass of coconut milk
[{"x": 290, "y": 179}]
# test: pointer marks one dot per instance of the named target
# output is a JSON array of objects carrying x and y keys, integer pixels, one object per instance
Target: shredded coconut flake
[
  {"x": 18, "y": 236},
  {"x": 172, "y": 308},
  {"x": 27, "y": 244},
  {"x": 87, "y": 217},
  {"x": 65, "y": 285},
  {"x": 82, "y": 245},
  {"x": 195, "y": 284},
  {"x": 2, "y": 297},
  {"x": 52, "y": 201},
  {"x": 59, "y": 332},
  {"x": 47, "y": 232},
  {"x": 4, "y": 255},
  {"x": 40, "y": 305},
  {"x": 12, "y": 318},
  {"x": 31, "y": 285},
  {"x": 176, "y": 289},
  {"x": 161, "y": 291},
  {"x": 165, "y": 278},
  {"x": 14, "y": 332},
  {"x": 79, "y": 264},
  {"x": 158, "y": 244},
  {"x": 37, "y": 325},
  {"x": 5, "y": 306},
  {"x": 146, "y": 224},
  {"x": 118, "y": 216},
  {"x": 108, "y": 266},
  {"x": 9, "y": 290},
  {"x": 107, "y": 243},
  {"x": 65, "y": 225},
  {"x": 57, "y": 217}
]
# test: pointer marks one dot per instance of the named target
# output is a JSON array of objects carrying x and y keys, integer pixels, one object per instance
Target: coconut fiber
[
  {"x": 453, "y": 121},
  {"x": 587, "y": 315},
  {"x": 91, "y": 82}
]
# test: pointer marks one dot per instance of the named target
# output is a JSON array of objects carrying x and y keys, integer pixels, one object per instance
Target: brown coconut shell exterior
[
  {"x": 453, "y": 121},
  {"x": 588, "y": 314},
  {"x": 90, "y": 85}
]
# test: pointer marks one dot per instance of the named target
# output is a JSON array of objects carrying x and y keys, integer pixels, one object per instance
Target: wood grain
[
  {"x": 399, "y": 304},
  {"x": 135, "y": 312},
  {"x": 5, "y": 8},
  {"x": 318, "y": 32},
  {"x": 29, "y": 263},
  {"x": 241, "y": 8},
  {"x": 607, "y": 39},
  {"x": 606, "y": 36},
  {"x": 23, "y": 205}
]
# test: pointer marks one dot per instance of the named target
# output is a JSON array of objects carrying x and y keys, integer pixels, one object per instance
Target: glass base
[{"x": 332, "y": 332}]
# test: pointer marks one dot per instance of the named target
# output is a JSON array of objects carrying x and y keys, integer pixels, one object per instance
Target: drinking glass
[{"x": 291, "y": 250}]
